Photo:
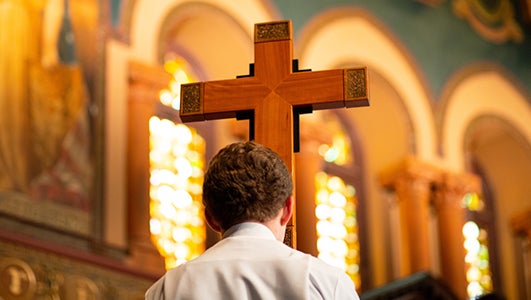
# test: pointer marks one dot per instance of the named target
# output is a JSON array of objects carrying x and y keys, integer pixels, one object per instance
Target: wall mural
[
  {"x": 495, "y": 20},
  {"x": 47, "y": 54}
]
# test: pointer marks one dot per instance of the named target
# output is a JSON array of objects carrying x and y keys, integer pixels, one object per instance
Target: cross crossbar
[{"x": 274, "y": 90}]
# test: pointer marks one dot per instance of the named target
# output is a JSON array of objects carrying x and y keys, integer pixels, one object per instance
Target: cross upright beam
[{"x": 273, "y": 90}]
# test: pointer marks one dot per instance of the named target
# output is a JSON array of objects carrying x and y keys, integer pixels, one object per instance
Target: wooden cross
[{"x": 273, "y": 94}]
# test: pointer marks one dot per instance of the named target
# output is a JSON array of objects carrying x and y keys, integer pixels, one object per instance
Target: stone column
[
  {"x": 412, "y": 181},
  {"x": 521, "y": 225},
  {"x": 144, "y": 85},
  {"x": 308, "y": 163},
  {"x": 451, "y": 216}
]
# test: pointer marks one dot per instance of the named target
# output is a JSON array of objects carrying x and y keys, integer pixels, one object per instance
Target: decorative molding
[
  {"x": 49, "y": 214},
  {"x": 450, "y": 191},
  {"x": 26, "y": 273},
  {"x": 192, "y": 102},
  {"x": 521, "y": 223},
  {"x": 497, "y": 24},
  {"x": 411, "y": 169},
  {"x": 273, "y": 31},
  {"x": 18, "y": 279},
  {"x": 356, "y": 87}
]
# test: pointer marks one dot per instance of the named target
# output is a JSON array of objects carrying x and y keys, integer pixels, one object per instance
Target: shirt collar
[{"x": 253, "y": 229}]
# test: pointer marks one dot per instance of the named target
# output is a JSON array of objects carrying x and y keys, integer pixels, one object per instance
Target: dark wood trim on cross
[{"x": 275, "y": 93}]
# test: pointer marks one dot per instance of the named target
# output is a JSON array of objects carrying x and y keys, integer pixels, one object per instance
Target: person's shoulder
[
  {"x": 156, "y": 291},
  {"x": 167, "y": 284},
  {"x": 325, "y": 273},
  {"x": 331, "y": 280},
  {"x": 323, "y": 266}
]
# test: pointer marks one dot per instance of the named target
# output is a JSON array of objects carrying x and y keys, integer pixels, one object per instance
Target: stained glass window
[
  {"x": 337, "y": 224},
  {"x": 478, "y": 273},
  {"x": 336, "y": 198},
  {"x": 176, "y": 176}
]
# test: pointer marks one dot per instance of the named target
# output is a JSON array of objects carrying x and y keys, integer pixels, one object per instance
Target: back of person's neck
[{"x": 275, "y": 227}]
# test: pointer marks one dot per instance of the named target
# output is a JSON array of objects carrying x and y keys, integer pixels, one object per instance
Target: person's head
[{"x": 245, "y": 181}]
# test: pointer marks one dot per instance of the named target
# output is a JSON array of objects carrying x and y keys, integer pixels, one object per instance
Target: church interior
[{"x": 423, "y": 193}]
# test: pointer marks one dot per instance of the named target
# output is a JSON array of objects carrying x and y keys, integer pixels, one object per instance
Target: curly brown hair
[{"x": 245, "y": 181}]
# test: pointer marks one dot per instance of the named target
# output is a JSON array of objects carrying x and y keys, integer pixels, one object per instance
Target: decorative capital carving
[
  {"x": 497, "y": 24},
  {"x": 521, "y": 223},
  {"x": 145, "y": 82},
  {"x": 411, "y": 179},
  {"x": 451, "y": 189},
  {"x": 410, "y": 169}
]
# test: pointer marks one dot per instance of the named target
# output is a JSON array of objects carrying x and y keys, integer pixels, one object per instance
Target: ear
[
  {"x": 212, "y": 222},
  {"x": 287, "y": 210}
]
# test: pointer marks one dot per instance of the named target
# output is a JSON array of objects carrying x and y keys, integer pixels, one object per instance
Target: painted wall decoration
[
  {"x": 493, "y": 20},
  {"x": 47, "y": 92}
]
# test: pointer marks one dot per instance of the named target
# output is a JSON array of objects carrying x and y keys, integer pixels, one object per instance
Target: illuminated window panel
[
  {"x": 176, "y": 177},
  {"x": 478, "y": 274},
  {"x": 171, "y": 96},
  {"x": 473, "y": 202},
  {"x": 337, "y": 226},
  {"x": 338, "y": 153},
  {"x": 177, "y": 163}
]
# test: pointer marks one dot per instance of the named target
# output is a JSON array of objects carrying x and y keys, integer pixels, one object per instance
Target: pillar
[
  {"x": 412, "y": 181},
  {"x": 451, "y": 216},
  {"x": 521, "y": 226},
  {"x": 144, "y": 86},
  {"x": 308, "y": 163}
]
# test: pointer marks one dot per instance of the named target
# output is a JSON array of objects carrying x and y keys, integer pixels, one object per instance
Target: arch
[
  {"x": 398, "y": 123},
  {"x": 148, "y": 17},
  {"x": 193, "y": 30},
  {"x": 485, "y": 127},
  {"x": 146, "y": 22},
  {"x": 318, "y": 128},
  {"x": 364, "y": 39},
  {"x": 358, "y": 178},
  {"x": 475, "y": 91}
]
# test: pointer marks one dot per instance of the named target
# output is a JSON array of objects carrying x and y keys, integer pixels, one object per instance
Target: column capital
[
  {"x": 451, "y": 215},
  {"x": 452, "y": 187},
  {"x": 153, "y": 78},
  {"x": 521, "y": 223},
  {"x": 412, "y": 181},
  {"x": 145, "y": 83},
  {"x": 410, "y": 170}
]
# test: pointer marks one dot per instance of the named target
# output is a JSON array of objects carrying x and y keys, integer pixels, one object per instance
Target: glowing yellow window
[
  {"x": 337, "y": 225},
  {"x": 478, "y": 273},
  {"x": 176, "y": 176}
]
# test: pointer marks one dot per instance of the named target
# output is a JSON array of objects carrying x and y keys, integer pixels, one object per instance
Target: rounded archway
[{"x": 484, "y": 129}]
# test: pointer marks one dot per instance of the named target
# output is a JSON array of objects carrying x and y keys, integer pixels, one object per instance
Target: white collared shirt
[{"x": 249, "y": 263}]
